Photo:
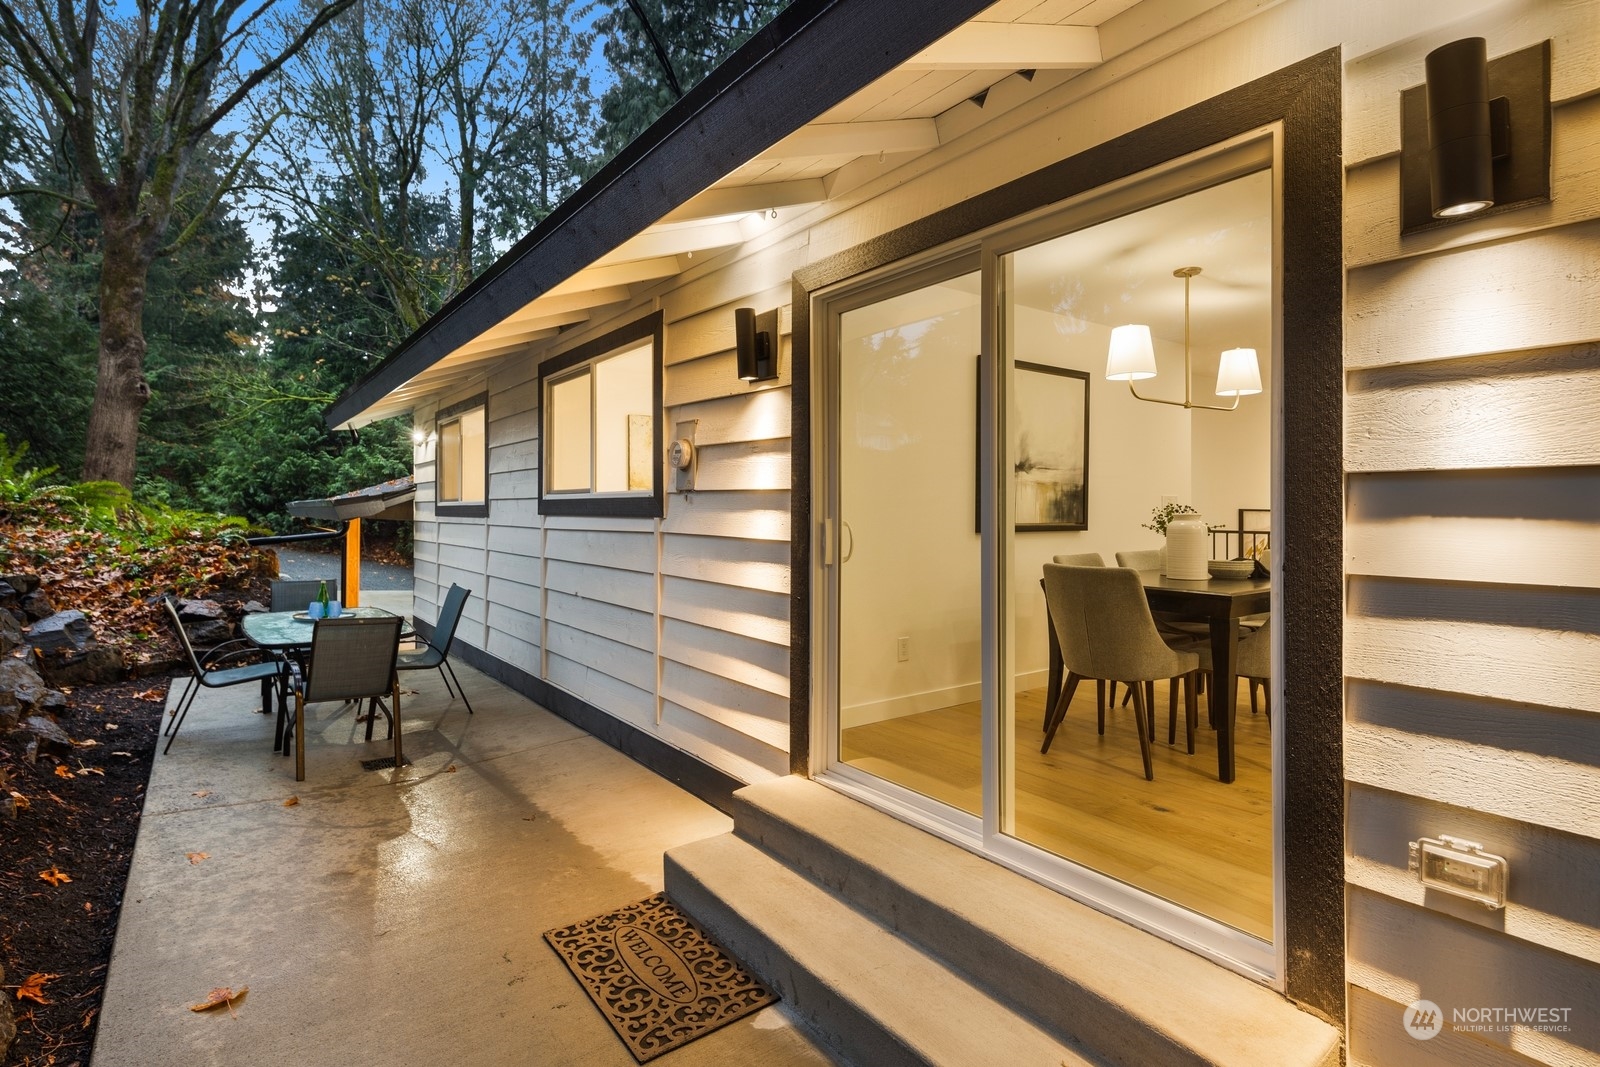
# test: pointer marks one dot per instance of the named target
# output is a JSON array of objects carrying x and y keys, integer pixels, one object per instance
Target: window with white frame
[
  {"x": 600, "y": 425},
  {"x": 461, "y": 471}
]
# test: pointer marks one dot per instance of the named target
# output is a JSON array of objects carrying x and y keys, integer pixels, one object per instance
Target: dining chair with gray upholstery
[
  {"x": 352, "y": 659},
  {"x": 1085, "y": 559},
  {"x": 1105, "y": 629},
  {"x": 1252, "y": 661}
]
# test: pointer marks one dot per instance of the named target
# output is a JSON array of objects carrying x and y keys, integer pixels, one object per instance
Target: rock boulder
[{"x": 69, "y": 654}]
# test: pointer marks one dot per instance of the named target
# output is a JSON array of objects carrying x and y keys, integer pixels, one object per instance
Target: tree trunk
[{"x": 120, "y": 391}]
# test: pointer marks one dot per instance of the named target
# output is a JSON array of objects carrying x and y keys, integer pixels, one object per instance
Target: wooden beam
[
  {"x": 638, "y": 270},
  {"x": 738, "y": 199},
  {"x": 1011, "y": 46},
  {"x": 352, "y": 563},
  {"x": 551, "y": 304},
  {"x": 674, "y": 241},
  {"x": 851, "y": 139}
]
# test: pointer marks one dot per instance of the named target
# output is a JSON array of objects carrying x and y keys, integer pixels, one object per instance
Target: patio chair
[
  {"x": 1104, "y": 625},
  {"x": 352, "y": 659},
  {"x": 297, "y": 595},
  {"x": 207, "y": 675},
  {"x": 435, "y": 655}
]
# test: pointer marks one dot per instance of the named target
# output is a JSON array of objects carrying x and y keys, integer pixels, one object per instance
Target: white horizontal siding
[{"x": 1472, "y": 542}]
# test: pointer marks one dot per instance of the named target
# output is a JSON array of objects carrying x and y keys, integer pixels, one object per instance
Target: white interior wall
[
  {"x": 908, "y": 453},
  {"x": 1232, "y": 453}
]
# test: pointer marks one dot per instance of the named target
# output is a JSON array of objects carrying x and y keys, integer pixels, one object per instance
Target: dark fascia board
[
  {"x": 368, "y": 503},
  {"x": 814, "y": 54}
]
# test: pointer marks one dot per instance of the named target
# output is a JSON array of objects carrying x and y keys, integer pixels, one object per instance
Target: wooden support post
[{"x": 352, "y": 564}]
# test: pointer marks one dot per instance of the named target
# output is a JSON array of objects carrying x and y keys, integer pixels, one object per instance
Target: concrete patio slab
[{"x": 393, "y": 917}]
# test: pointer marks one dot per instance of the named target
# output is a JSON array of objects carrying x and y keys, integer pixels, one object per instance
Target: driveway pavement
[{"x": 297, "y": 563}]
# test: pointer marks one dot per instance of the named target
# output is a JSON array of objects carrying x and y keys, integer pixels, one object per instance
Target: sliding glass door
[
  {"x": 967, "y": 436},
  {"x": 907, "y": 581}
]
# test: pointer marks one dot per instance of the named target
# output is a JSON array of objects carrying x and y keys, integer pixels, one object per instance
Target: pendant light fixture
[{"x": 1132, "y": 357}]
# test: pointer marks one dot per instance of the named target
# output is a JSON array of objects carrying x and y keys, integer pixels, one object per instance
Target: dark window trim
[
  {"x": 471, "y": 510},
  {"x": 644, "y": 505},
  {"x": 1305, "y": 98}
]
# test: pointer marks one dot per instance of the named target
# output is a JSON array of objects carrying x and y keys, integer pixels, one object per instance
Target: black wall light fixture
[
  {"x": 1475, "y": 137},
  {"x": 756, "y": 340}
]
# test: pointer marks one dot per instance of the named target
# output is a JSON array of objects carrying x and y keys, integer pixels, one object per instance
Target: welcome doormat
[{"x": 658, "y": 980}]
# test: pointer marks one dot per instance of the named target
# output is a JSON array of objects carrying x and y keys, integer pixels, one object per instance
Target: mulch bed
[{"x": 79, "y": 820}]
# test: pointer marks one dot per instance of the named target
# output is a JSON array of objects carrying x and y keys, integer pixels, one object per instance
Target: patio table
[{"x": 288, "y": 633}]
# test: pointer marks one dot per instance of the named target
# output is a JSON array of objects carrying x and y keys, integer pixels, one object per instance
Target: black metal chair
[
  {"x": 435, "y": 655},
  {"x": 352, "y": 659},
  {"x": 296, "y": 594},
  {"x": 205, "y": 676}
]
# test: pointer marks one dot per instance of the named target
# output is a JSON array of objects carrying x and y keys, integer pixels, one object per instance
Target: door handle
[{"x": 848, "y": 541}]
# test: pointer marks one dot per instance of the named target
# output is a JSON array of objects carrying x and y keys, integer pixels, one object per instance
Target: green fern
[{"x": 18, "y": 486}]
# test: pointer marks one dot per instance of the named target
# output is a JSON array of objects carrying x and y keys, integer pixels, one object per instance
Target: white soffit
[{"x": 891, "y": 121}]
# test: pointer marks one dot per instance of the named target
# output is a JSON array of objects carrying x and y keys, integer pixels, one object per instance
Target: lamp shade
[
  {"x": 1238, "y": 374},
  {"x": 1131, "y": 356}
]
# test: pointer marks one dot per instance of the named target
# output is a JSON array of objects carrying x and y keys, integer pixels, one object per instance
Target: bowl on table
[{"x": 1231, "y": 568}]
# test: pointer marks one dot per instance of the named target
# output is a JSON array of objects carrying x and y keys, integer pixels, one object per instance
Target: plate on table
[
  {"x": 303, "y": 616},
  {"x": 1231, "y": 568}
]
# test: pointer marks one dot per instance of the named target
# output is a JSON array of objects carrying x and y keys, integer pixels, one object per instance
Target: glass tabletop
[{"x": 291, "y": 629}]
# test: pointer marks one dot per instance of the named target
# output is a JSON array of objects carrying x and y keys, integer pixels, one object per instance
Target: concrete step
[
  {"x": 1092, "y": 981},
  {"x": 866, "y": 994}
]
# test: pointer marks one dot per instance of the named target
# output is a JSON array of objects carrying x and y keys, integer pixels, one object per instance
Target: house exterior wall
[{"x": 1472, "y": 458}]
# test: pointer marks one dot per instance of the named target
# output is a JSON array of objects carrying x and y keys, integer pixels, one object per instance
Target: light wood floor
[{"x": 1184, "y": 836}]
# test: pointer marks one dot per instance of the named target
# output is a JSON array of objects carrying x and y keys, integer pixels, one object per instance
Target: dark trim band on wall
[
  {"x": 1305, "y": 98},
  {"x": 675, "y": 765}
]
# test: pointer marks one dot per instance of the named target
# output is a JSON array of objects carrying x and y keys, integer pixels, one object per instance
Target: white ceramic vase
[{"x": 1187, "y": 550}]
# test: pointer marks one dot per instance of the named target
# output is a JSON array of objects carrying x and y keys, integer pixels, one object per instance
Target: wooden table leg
[{"x": 1224, "y": 692}]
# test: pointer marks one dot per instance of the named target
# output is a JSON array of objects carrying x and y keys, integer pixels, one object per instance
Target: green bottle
[{"x": 322, "y": 598}]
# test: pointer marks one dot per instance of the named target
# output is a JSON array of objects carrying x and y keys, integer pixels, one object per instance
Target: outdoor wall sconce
[
  {"x": 1132, "y": 357},
  {"x": 1475, "y": 137},
  {"x": 756, "y": 341}
]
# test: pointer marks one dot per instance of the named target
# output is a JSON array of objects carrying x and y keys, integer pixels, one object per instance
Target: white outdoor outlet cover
[{"x": 1461, "y": 868}]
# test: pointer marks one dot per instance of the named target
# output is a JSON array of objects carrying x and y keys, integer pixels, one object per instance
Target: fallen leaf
[
  {"x": 88, "y": 906},
  {"x": 62, "y": 772},
  {"x": 156, "y": 693},
  {"x": 128, "y": 754},
  {"x": 220, "y": 997},
  {"x": 201, "y": 793},
  {"x": 450, "y": 769},
  {"x": 21, "y": 801},
  {"x": 33, "y": 988},
  {"x": 196, "y": 857},
  {"x": 91, "y": 770},
  {"x": 110, "y": 726},
  {"x": 291, "y": 802},
  {"x": 55, "y": 876},
  {"x": 86, "y": 743},
  {"x": 88, "y": 1017}
]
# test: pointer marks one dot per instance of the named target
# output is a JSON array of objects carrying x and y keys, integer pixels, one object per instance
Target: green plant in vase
[{"x": 1160, "y": 517}]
